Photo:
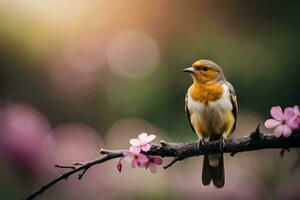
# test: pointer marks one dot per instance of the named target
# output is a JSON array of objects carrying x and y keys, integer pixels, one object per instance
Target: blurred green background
[{"x": 80, "y": 75}]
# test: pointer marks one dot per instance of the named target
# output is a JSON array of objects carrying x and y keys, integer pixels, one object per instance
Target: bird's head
[{"x": 205, "y": 71}]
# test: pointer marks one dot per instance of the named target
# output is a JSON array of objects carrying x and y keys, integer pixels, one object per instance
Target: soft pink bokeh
[{"x": 23, "y": 131}]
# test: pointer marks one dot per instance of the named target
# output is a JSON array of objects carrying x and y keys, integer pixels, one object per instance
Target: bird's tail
[
  {"x": 216, "y": 174},
  {"x": 213, "y": 169}
]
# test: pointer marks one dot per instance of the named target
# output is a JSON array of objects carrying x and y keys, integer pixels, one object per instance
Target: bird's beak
[{"x": 189, "y": 70}]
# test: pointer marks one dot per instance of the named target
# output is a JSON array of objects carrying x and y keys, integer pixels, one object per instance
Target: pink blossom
[
  {"x": 142, "y": 142},
  {"x": 297, "y": 114},
  {"x": 134, "y": 157},
  {"x": 153, "y": 161},
  {"x": 283, "y": 122}
]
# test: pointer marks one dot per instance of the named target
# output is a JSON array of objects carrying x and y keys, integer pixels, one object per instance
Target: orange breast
[{"x": 206, "y": 92}]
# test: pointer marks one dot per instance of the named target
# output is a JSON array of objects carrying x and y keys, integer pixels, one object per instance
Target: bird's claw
[
  {"x": 222, "y": 143},
  {"x": 200, "y": 143}
]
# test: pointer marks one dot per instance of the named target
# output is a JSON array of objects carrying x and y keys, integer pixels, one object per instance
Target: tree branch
[{"x": 180, "y": 151}]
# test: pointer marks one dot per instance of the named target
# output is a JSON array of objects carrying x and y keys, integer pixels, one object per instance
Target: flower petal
[
  {"x": 127, "y": 153},
  {"x": 129, "y": 159},
  {"x": 272, "y": 123},
  {"x": 152, "y": 168},
  {"x": 135, "y": 142},
  {"x": 151, "y": 138},
  {"x": 134, "y": 163},
  {"x": 293, "y": 123},
  {"x": 135, "y": 150},
  {"x": 287, "y": 131},
  {"x": 157, "y": 160},
  {"x": 143, "y": 137},
  {"x": 297, "y": 113},
  {"x": 276, "y": 113},
  {"x": 146, "y": 147},
  {"x": 296, "y": 110},
  {"x": 141, "y": 158},
  {"x": 278, "y": 131},
  {"x": 288, "y": 113}
]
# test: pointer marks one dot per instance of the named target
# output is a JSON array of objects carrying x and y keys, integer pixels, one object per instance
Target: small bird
[{"x": 211, "y": 109}]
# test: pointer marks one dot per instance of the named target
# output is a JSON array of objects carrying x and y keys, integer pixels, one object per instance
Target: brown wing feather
[
  {"x": 187, "y": 112},
  {"x": 234, "y": 103},
  {"x": 234, "y": 111}
]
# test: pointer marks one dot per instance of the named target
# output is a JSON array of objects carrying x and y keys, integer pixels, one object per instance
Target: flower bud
[{"x": 119, "y": 166}]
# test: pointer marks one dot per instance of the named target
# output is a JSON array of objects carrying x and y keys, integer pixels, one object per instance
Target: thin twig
[
  {"x": 282, "y": 152},
  {"x": 64, "y": 167},
  {"x": 172, "y": 162}
]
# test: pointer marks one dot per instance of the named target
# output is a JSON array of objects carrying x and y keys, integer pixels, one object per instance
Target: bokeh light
[
  {"x": 133, "y": 54},
  {"x": 23, "y": 131},
  {"x": 68, "y": 82},
  {"x": 120, "y": 131},
  {"x": 86, "y": 52},
  {"x": 75, "y": 141},
  {"x": 53, "y": 12}
]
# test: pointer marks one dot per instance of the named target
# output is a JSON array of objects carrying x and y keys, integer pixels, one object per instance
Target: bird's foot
[
  {"x": 222, "y": 143},
  {"x": 200, "y": 143}
]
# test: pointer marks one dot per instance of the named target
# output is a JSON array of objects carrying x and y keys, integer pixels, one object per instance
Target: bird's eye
[{"x": 205, "y": 69}]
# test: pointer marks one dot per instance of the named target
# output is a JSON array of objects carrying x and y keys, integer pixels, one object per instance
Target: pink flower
[
  {"x": 297, "y": 114},
  {"x": 283, "y": 122},
  {"x": 142, "y": 142},
  {"x": 135, "y": 158},
  {"x": 153, "y": 161}
]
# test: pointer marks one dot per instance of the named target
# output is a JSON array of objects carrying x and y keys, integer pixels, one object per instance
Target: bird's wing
[
  {"x": 187, "y": 112},
  {"x": 233, "y": 99}
]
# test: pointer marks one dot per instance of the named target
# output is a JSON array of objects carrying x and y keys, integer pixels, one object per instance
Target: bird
[{"x": 211, "y": 109}]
